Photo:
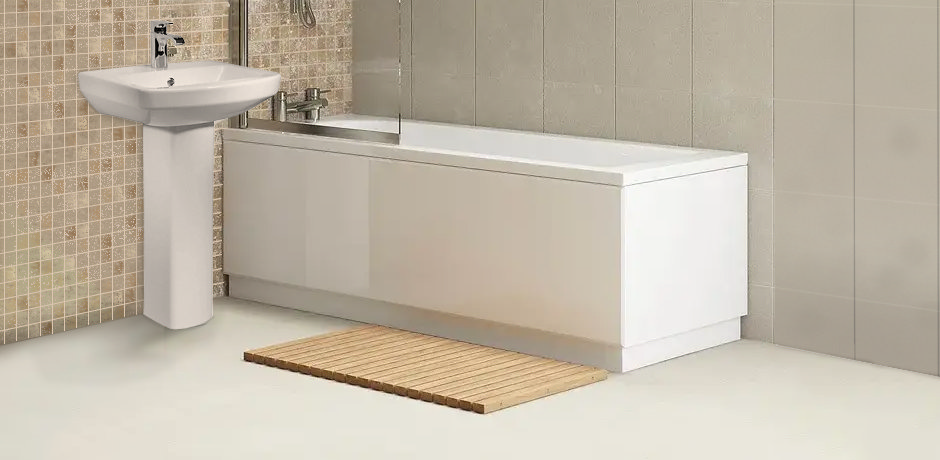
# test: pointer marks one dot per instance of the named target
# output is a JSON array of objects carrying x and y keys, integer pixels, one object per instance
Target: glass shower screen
[{"x": 339, "y": 62}]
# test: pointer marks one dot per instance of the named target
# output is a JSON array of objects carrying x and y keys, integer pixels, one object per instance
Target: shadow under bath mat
[{"x": 457, "y": 374}]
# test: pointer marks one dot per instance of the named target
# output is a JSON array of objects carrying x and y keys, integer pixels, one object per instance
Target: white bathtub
[{"x": 606, "y": 253}]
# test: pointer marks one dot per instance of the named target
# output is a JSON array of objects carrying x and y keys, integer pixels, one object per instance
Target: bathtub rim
[{"x": 710, "y": 160}]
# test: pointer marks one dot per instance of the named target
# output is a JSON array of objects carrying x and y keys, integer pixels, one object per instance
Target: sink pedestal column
[{"x": 178, "y": 180}]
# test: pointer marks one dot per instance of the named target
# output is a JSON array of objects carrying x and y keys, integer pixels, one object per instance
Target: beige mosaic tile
[
  {"x": 71, "y": 204},
  {"x": 306, "y": 58}
]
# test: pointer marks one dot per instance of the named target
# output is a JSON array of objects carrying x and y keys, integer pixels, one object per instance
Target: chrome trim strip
[
  {"x": 327, "y": 131},
  {"x": 238, "y": 47}
]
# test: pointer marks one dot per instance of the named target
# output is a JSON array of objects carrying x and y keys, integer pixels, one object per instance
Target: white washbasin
[
  {"x": 202, "y": 92},
  {"x": 178, "y": 117}
]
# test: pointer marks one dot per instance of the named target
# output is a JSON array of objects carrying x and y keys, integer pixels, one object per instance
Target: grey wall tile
[
  {"x": 580, "y": 109},
  {"x": 814, "y": 243},
  {"x": 509, "y": 39},
  {"x": 732, "y": 47},
  {"x": 656, "y": 116},
  {"x": 579, "y": 41},
  {"x": 896, "y": 253},
  {"x": 758, "y": 324},
  {"x": 896, "y": 154},
  {"x": 443, "y": 98},
  {"x": 654, "y": 44},
  {"x": 760, "y": 235},
  {"x": 814, "y": 322},
  {"x": 814, "y": 147},
  {"x": 901, "y": 337},
  {"x": 813, "y": 52},
  {"x": 443, "y": 37},
  {"x": 375, "y": 43},
  {"x": 405, "y": 96},
  {"x": 376, "y": 93},
  {"x": 405, "y": 31},
  {"x": 509, "y": 103},
  {"x": 896, "y": 57},
  {"x": 741, "y": 124},
  {"x": 917, "y": 3}
]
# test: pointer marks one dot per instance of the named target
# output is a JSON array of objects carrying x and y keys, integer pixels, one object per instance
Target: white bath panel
[{"x": 614, "y": 262}]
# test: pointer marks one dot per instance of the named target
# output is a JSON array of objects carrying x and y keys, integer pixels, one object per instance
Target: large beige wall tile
[
  {"x": 814, "y": 322},
  {"x": 759, "y": 322},
  {"x": 814, "y": 147},
  {"x": 579, "y": 109},
  {"x": 896, "y": 56},
  {"x": 732, "y": 48},
  {"x": 509, "y": 103},
  {"x": 902, "y": 337},
  {"x": 375, "y": 43},
  {"x": 896, "y": 253},
  {"x": 405, "y": 14},
  {"x": 654, "y": 44},
  {"x": 509, "y": 39},
  {"x": 813, "y": 52},
  {"x": 443, "y": 98},
  {"x": 760, "y": 237},
  {"x": 443, "y": 37},
  {"x": 815, "y": 2},
  {"x": 376, "y": 93},
  {"x": 918, "y": 3},
  {"x": 579, "y": 41},
  {"x": 656, "y": 116},
  {"x": 814, "y": 243},
  {"x": 404, "y": 95},
  {"x": 740, "y": 124},
  {"x": 896, "y": 154}
]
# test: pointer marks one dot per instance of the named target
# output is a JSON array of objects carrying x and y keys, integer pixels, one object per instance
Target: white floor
[{"x": 133, "y": 390}]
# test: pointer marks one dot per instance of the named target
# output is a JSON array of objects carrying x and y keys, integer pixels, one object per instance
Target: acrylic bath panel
[{"x": 634, "y": 255}]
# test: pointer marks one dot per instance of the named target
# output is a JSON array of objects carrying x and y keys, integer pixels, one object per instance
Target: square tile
[
  {"x": 814, "y": 248},
  {"x": 896, "y": 154},
  {"x": 814, "y": 52},
  {"x": 509, "y": 39},
  {"x": 896, "y": 56},
  {"x": 896, "y": 253},
  {"x": 814, "y": 322},
  {"x": 656, "y": 116},
  {"x": 901, "y": 337},
  {"x": 580, "y": 109},
  {"x": 814, "y": 147},
  {"x": 654, "y": 44},
  {"x": 579, "y": 41},
  {"x": 732, "y": 49},
  {"x": 509, "y": 104}
]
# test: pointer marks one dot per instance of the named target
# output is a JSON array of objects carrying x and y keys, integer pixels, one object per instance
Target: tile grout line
[
  {"x": 773, "y": 185},
  {"x": 854, "y": 199}
]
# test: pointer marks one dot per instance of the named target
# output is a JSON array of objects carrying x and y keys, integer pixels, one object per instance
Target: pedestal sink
[{"x": 178, "y": 106}]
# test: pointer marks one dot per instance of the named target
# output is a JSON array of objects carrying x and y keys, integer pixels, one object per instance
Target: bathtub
[{"x": 606, "y": 253}]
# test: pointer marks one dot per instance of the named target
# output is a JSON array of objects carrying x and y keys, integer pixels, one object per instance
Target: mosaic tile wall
[
  {"x": 70, "y": 189},
  {"x": 306, "y": 58}
]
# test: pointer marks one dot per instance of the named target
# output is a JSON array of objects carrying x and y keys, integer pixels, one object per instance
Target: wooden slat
[
  {"x": 305, "y": 342},
  {"x": 457, "y": 374}
]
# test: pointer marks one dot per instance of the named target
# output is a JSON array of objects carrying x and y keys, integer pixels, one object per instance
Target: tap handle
[
  {"x": 159, "y": 26},
  {"x": 315, "y": 93}
]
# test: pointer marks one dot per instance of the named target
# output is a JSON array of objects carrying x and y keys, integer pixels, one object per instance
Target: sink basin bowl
[{"x": 201, "y": 92}]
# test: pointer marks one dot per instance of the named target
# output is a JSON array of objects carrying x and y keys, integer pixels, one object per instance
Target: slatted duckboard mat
[{"x": 457, "y": 374}]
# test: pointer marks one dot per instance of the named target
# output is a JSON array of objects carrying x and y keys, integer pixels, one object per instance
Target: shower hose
[{"x": 304, "y": 10}]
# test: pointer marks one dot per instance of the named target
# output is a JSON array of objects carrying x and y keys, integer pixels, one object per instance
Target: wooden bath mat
[{"x": 448, "y": 372}]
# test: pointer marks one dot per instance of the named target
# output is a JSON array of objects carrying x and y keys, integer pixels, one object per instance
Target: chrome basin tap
[{"x": 163, "y": 44}]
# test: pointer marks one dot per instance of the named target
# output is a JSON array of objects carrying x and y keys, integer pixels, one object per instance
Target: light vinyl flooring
[{"x": 133, "y": 390}]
